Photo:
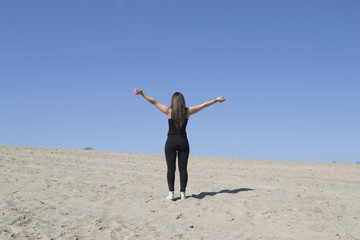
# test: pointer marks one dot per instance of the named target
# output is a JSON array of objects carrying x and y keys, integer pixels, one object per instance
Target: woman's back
[{"x": 173, "y": 130}]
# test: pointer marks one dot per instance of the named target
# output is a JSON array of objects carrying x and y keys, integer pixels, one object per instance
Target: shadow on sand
[{"x": 204, "y": 194}]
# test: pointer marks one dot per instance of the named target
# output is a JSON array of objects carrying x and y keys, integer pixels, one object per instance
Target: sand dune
[{"x": 79, "y": 194}]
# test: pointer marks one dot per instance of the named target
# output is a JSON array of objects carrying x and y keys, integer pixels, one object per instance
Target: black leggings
[{"x": 180, "y": 145}]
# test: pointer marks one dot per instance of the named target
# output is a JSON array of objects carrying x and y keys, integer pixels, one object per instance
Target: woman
[{"x": 177, "y": 142}]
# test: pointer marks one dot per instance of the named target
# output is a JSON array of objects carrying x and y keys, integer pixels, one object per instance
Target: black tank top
[{"x": 174, "y": 131}]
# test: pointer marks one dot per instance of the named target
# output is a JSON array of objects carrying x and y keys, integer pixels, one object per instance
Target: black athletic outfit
[{"x": 177, "y": 142}]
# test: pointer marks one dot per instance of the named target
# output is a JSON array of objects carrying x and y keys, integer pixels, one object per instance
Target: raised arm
[
  {"x": 195, "y": 109},
  {"x": 161, "y": 107}
]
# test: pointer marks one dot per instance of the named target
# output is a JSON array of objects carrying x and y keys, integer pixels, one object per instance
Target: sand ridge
[{"x": 77, "y": 194}]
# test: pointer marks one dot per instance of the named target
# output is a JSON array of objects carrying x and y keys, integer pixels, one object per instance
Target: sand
[{"x": 84, "y": 194}]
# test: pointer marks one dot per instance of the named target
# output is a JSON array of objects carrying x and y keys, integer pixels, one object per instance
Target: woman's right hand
[
  {"x": 220, "y": 99},
  {"x": 138, "y": 91}
]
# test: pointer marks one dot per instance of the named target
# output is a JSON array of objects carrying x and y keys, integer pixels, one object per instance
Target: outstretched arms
[
  {"x": 161, "y": 107},
  {"x": 165, "y": 109},
  {"x": 195, "y": 109}
]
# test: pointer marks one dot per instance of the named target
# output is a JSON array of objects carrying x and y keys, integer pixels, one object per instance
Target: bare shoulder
[
  {"x": 163, "y": 108},
  {"x": 194, "y": 109},
  {"x": 169, "y": 113}
]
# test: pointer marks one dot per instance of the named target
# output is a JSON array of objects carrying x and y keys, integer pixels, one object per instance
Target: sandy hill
[{"x": 79, "y": 194}]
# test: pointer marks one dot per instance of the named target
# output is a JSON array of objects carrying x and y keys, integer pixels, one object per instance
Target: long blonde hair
[{"x": 178, "y": 109}]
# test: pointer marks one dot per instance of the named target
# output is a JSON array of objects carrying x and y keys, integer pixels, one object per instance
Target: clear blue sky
[{"x": 290, "y": 71}]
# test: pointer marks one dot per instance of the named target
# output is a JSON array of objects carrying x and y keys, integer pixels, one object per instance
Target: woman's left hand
[{"x": 138, "y": 91}]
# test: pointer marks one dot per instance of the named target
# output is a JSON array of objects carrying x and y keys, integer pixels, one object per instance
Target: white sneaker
[
  {"x": 182, "y": 195},
  {"x": 170, "y": 196}
]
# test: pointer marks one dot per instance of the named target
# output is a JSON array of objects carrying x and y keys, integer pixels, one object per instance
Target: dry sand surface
[{"x": 79, "y": 194}]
